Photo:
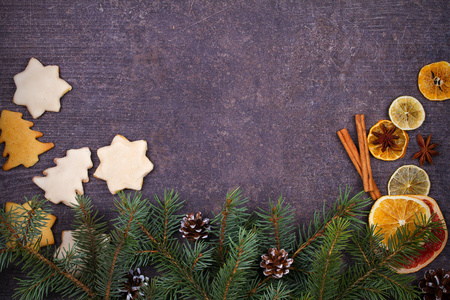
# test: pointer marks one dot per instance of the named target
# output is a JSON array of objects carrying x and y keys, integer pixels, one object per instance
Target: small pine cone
[
  {"x": 133, "y": 284},
  {"x": 194, "y": 228},
  {"x": 436, "y": 285},
  {"x": 276, "y": 263}
]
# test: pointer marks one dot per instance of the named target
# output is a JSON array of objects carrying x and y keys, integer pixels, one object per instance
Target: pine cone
[
  {"x": 133, "y": 284},
  {"x": 194, "y": 228},
  {"x": 436, "y": 285},
  {"x": 276, "y": 263}
]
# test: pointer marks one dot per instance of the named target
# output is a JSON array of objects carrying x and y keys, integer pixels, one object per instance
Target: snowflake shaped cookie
[
  {"x": 123, "y": 164},
  {"x": 39, "y": 88},
  {"x": 63, "y": 182}
]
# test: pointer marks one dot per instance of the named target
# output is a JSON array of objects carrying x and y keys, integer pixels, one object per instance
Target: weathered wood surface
[{"x": 236, "y": 93}]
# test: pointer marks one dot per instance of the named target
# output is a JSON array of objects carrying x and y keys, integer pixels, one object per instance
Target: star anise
[
  {"x": 386, "y": 138},
  {"x": 426, "y": 150}
]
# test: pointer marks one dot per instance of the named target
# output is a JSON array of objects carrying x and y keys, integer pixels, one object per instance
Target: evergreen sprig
[
  {"x": 277, "y": 225},
  {"x": 20, "y": 228},
  {"x": 226, "y": 265},
  {"x": 91, "y": 236},
  {"x": 374, "y": 276},
  {"x": 326, "y": 268},
  {"x": 118, "y": 255}
]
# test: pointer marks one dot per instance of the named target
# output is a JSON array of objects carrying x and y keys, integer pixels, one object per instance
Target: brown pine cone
[
  {"x": 133, "y": 284},
  {"x": 194, "y": 228},
  {"x": 276, "y": 263},
  {"x": 436, "y": 285}
]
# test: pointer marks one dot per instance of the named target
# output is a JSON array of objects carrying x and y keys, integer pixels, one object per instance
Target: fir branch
[
  {"x": 30, "y": 257},
  {"x": 119, "y": 254},
  {"x": 91, "y": 238},
  {"x": 145, "y": 232},
  {"x": 6, "y": 256},
  {"x": 343, "y": 207},
  {"x": 165, "y": 215},
  {"x": 277, "y": 223},
  {"x": 403, "y": 245},
  {"x": 258, "y": 285},
  {"x": 33, "y": 259},
  {"x": 23, "y": 226},
  {"x": 233, "y": 215},
  {"x": 276, "y": 291},
  {"x": 181, "y": 275},
  {"x": 7, "y": 234},
  {"x": 157, "y": 242},
  {"x": 234, "y": 272},
  {"x": 325, "y": 269},
  {"x": 198, "y": 256}
]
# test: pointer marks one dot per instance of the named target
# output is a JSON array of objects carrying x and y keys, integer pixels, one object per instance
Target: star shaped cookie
[
  {"x": 39, "y": 88},
  {"x": 47, "y": 234},
  {"x": 123, "y": 164}
]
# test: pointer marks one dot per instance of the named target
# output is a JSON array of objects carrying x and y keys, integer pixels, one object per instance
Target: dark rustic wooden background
[{"x": 226, "y": 93}]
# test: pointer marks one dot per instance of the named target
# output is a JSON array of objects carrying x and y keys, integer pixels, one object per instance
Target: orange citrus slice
[
  {"x": 409, "y": 180},
  {"x": 388, "y": 213},
  {"x": 430, "y": 250},
  {"x": 434, "y": 81},
  {"x": 390, "y": 147},
  {"x": 406, "y": 113}
]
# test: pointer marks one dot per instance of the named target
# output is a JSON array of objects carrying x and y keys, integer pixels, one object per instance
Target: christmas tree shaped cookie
[
  {"x": 123, "y": 164},
  {"x": 63, "y": 182},
  {"x": 39, "y": 88},
  {"x": 20, "y": 141},
  {"x": 16, "y": 210}
]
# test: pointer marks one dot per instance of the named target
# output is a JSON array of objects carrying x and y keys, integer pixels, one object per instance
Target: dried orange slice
[
  {"x": 406, "y": 113},
  {"x": 409, "y": 180},
  {"x": 387, "y": 142},
  {"x": 430, "y": 249},
  {"x": 388, "y": 213},
  {"x": 434, "y": 81}
]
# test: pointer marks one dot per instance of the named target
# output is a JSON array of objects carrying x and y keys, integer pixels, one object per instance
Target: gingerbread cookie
[
  {"x": 47, "y": 234},
  {"x": 20, "y": 141}
]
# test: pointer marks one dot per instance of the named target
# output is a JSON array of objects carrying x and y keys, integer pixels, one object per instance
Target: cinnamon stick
[
  {"x": 362, "y": 152},
  {"x": 353, "y": 153},
  {"x": 350, "y": 147},
  {"x": 366, "y": 152}
]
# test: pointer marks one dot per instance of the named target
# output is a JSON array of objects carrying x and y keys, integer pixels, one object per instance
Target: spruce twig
[
  {"x": 343, "y": 208},
  {"x": 233, "y": 215},
  {"x": 325, "y": 272},
  {"x": 119, "y": 254},
  {"x": 44, "y": 273},
  {"x": 165, "y": 251},
  {"x": 382, "y": 262},
  {"x": 91, "y": 239},
  {"x": 277, "y": 225},
  {"x": 145, "y": 232},
  {"x": 233, "y": 273}
]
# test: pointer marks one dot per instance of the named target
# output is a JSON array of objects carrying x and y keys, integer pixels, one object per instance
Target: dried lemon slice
[
  {"x": 409, "y": 180},
  {"x": 387, "y": 142},
  {"x": 434, "y": 81},
  {"x": 406, "y": 113},
  {"x": 388, "y": 213}
]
